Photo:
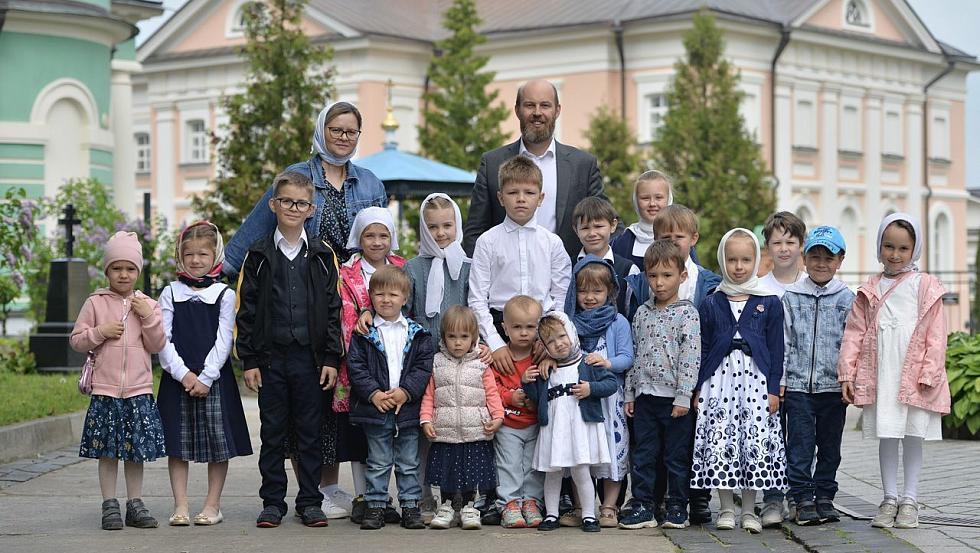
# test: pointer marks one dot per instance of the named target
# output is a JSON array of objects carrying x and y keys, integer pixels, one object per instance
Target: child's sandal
[{"x": 608, "y": 516}]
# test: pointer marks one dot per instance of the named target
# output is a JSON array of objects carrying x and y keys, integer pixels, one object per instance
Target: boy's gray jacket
[{"x": 813, "y": 325}]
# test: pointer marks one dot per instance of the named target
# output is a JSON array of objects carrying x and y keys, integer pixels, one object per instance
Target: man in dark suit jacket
[{"x": 575, "y": 174}]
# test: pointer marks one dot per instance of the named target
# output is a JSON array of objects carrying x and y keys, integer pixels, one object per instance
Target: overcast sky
[{"x": 951, "y": 21}]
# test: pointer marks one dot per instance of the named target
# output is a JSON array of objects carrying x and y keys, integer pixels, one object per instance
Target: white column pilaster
[
  {"x": 868, "y": 221},
  {"x": 124, "y": 151},
  {"x": 165, "y": 162},
  {"x": 829, "y": 102},
  {"x": 913, "y": 158},
  {"x": 784, "y": 146}
]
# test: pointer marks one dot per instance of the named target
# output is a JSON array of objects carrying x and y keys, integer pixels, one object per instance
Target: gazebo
[{"x": 410, "y": 177}]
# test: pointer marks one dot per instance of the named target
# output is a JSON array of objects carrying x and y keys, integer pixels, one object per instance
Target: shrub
[{"x": 963, "y": 371}]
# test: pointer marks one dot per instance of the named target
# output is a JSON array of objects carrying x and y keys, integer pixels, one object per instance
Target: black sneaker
[
  {"x": 270, "y": 517},
  {"x": 391, "y": 515},
  {"x": 489, "y": 515},
  {"x": 138, "y": 516},
  {"x": 111, "y": 515},
  {"x": 412, "y": 518},
  {"x": 358, "y": 508},
  {"x": 827, "y": 511},
  {"x": 641, "y": 516},
  {"x": 313, "y": 517},
  {"x": 806, "y": 513},
  {"x": 374, "y": 519},
  {"x": 627, "y": 508},
  {"x": 590, "y": 524},
  {"x": 676, "y": 517},
  {"x": 660, "y": 513},
  {"x": 549, "y": 523},
  {"x": 700, "y": 510}
]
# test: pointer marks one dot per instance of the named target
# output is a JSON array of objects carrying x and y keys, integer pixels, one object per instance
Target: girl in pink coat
[
  {"x": 121, "y": 327},
  {"x": 892, "y": 363}
]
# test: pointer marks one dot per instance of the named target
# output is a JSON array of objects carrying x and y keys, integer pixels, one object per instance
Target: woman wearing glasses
[{"x": 342, "y": 188}]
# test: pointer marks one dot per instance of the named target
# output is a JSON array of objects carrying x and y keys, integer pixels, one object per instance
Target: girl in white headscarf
[
  {"x": 892, "y": 363},
  {"x": 652, "y": 191},
  {"x": 738, "y": 440}
]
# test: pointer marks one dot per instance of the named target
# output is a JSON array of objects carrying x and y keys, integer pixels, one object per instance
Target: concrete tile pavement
[{"x": 949, "y": 488}]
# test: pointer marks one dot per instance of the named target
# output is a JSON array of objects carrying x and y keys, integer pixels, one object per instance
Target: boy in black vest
[{"x": 288, "y": 338}]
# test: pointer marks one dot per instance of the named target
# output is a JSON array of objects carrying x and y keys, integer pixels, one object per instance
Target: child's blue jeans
[
  {"x": 390, "y": 446},
  {"x": 814, "y": 422}
]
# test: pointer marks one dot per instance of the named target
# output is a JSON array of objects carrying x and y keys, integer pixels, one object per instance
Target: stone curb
[{"x": 29, "y": 439}]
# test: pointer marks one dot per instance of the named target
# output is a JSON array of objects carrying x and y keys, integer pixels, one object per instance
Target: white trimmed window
[
  {"x": 892, "y": 140},
  {"x": 196, "y": 141},
  {"x": 805, "y": 124},
  {"x": 939, "y": 137},
  {"x": 142, "y": 152},
  {"x": 850, "y": 129},
  {"x": 656, "y": 112}
]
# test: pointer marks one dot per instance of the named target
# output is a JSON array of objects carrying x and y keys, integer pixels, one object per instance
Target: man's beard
[{"x": 532, "y": 136}]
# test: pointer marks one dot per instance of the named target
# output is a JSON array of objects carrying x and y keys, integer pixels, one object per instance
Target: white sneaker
[
  {"x": 446, "y": 517},
  {"x": 342, "y": 499},
  {"x": 751, "y": 523},
  {"x": 470, "y": 517},
  {"x": 886, "y": 514},
  {"x": 332, "y": 510}
]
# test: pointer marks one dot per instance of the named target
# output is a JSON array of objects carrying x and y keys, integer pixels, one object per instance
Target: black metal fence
[{"x": 960, "y": 292}]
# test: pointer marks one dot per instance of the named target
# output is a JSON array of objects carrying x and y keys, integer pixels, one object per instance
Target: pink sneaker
[
  {"x": 532, "y": 513},
  {"x": 511, "y": 516}
]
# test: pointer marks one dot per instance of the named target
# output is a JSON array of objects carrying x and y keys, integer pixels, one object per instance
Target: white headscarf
[
  {"x": 752, "y": 286},
  {"x": 641, "y": 229},
  {"x": 916, "y": 250},
  {"x": 369, "y": 216},
  {"x": 319, "y": 142},
  {"x": 452, "y": 256},
  {"x": 576, "y": 349}
]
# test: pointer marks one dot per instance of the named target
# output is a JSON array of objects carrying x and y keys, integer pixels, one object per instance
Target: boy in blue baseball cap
[{"x": 816, "y": 310}]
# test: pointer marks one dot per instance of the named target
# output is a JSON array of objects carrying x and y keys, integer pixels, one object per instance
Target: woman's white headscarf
[
  {"x": 319, "y": 140},
  {"x": 642, "y": 229},
  {"x": 752, "y": 286},
  {"x": 369, "y": 216},
  {"x": 916, "y": 250},
  {"x": 452, "y": 256}
]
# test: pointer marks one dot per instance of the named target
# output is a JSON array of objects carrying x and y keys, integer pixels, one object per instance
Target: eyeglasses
[
  {"x": 349, "y": 134},
  {"x": 298, "y": 205}
]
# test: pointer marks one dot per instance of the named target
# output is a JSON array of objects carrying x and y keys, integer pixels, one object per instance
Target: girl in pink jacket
[
  {"x": 122, "y": 328},
  {"x": 892, "y": 363}
]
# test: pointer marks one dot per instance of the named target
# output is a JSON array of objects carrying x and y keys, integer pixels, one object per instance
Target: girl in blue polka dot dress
[{"x": 737, "y": 440}]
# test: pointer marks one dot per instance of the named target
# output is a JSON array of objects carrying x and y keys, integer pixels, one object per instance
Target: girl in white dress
[
  {"x": 892, "y": 363},
  {"x": 572, "y": 435}
]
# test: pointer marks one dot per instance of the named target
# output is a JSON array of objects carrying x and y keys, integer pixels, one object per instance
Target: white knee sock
[
  {"x": 585, "y": 489},
  {"x": 748, "y": 502},
  {"x": 912, "y": 462},
  {"x": 360, "y": 480},
  {"x": 888, "y": 464},
  {"x": 727, "y": 500},
  {"x": 552, "y": 492}
]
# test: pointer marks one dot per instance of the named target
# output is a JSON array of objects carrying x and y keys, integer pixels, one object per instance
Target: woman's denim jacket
[
  {"x": 362, "y": 189},
  {"x": 813, "y": 327}
]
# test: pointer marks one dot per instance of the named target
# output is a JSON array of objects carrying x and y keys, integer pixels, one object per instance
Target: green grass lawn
[{"x": 33, "y": 396}]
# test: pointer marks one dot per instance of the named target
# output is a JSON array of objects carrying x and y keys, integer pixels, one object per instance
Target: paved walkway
[{"x": 52, "y": 504}]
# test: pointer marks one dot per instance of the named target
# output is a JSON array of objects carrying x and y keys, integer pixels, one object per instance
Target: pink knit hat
[{"x": 123, "y": 246}]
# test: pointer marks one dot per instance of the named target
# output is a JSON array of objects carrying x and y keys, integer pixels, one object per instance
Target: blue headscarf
[{"x": 591, "y": 324}]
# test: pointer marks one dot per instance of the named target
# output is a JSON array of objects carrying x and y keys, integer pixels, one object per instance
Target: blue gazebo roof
[{"x": 407, "y": 175}]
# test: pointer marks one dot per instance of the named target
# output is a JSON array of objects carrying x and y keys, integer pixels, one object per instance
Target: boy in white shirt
[
  {"x": 518, "y": 256},
  {"x": 784, "y": 233}
]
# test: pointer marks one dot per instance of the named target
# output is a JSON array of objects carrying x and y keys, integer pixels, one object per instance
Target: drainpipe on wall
[
  {"x": 925, "y": 156},
  {"x": 618, "y": 34},
  {"x": 784, "y": 33}
]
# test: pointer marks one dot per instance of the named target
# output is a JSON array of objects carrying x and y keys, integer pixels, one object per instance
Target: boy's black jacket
[{"x": 253, "y": 324}]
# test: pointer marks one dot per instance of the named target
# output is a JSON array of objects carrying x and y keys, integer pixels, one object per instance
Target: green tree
[
  {"x": 614, "y": 146},
  {"x": 270, "y": 124},
  {"x": 717, "y": 167},
  {"x": 461, "y": 122}
]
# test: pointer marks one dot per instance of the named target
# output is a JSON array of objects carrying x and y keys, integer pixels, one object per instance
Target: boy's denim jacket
[
  {"x": 361, "y": 189},
  {"x": 813, "y": 327}
]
